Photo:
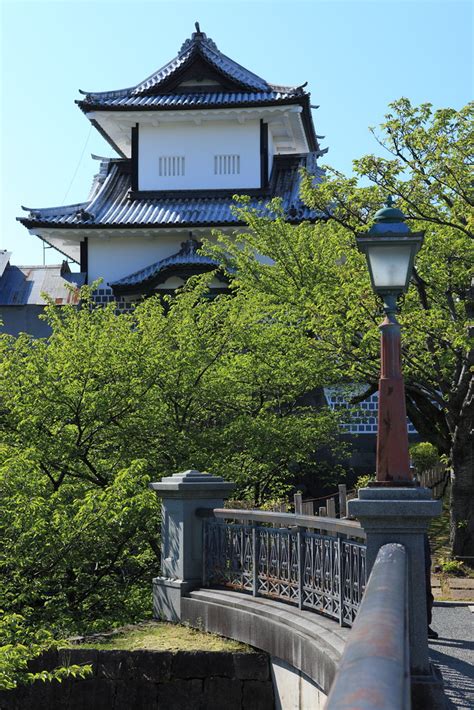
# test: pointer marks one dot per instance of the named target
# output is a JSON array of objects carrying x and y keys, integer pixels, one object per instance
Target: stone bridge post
[
  {"x": 402, "y": 515},
  {"x": 182, "y": 536}
]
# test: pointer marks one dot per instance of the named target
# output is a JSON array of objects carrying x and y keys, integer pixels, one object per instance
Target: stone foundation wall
[
  {"x": 103, "y": 296},
  {"x": 151, "y": 680}
]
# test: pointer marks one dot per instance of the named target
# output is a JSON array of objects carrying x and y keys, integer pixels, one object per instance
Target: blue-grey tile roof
[
  {"x": 152, "y": 93},
  {"x": 190, "y": 100},
  {"x": 111, "y": 204},
  {"x": 23, "y": 285}
]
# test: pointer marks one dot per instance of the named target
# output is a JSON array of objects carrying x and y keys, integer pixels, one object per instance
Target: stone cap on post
[
  {"x": 387, "y": 503},
  {"x": 193, "y": 484}
]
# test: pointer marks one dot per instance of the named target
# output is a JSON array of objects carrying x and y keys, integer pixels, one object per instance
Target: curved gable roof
[
  {"x": 187, "y": 258},
  {"x": 201, "y": 50}
]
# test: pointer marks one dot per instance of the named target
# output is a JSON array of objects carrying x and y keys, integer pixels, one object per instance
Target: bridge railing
[
  {"x": 316, "y": 563},
  {"x": 374, "y": 670},
  {"x": 313, "y": 563}
]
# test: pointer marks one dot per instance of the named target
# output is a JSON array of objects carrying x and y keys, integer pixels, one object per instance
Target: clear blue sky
[{"x": 356, "y": 57}]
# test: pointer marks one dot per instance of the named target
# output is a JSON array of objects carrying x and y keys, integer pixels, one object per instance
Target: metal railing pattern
[{"x": 311, "y": 563}]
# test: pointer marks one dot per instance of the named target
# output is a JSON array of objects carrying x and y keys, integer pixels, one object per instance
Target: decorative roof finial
[
  {"x": 196, "y": 37},
  {"x": 190, "y": 246},
  {"x": 389, "y": 215}
]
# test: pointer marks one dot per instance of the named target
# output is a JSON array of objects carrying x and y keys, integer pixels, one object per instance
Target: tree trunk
[
  {"x": 462, "y": 489},
  {"x": 428, "y": 419}
]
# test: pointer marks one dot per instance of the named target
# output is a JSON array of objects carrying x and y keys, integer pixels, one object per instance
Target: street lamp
[{"x": 390, "y": 248}]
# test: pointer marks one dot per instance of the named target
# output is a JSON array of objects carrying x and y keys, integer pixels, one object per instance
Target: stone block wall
[
  {"x": 103, "y": 296},
  {"x": 151, "y": 680}
]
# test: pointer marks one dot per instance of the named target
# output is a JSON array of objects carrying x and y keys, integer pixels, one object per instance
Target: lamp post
[
  {"x": 390, "y": 248},
  {"x": 400, "y": 514}
]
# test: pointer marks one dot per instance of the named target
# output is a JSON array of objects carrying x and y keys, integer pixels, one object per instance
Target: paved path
[{"x": 453, "y": 653}]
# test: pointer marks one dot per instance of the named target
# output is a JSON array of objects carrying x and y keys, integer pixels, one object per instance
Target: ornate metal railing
[{"x": 313, "y": 563}]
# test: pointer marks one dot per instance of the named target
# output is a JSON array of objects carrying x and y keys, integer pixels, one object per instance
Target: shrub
[
  {"x": 274, "y": 504},
  {"x": 363, "y": 481},
  {"x": 453, "y": 567},
  {"x": 424, "y": 456}
]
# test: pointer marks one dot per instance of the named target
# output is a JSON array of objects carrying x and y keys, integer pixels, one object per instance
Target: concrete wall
[
  {"x": 310, "y": 644},
  {"x": 198, "y": 144},
  {"x": 23, "y": 319},
  {"x": 150, "y": 680},
  {"x": 294, "y": 690}
]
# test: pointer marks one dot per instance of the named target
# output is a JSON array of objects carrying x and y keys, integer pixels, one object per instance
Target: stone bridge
[{"x": 339, "y": 605}]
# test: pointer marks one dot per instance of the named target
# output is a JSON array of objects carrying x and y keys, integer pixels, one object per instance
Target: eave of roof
[{"x": 185, "y": 101}]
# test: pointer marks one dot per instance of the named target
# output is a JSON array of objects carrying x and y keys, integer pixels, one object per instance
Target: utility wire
[{"x": 78, "y": 165}]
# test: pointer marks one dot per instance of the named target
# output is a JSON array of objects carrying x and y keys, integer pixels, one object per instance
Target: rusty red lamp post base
[{"x": 393, "y": 460}]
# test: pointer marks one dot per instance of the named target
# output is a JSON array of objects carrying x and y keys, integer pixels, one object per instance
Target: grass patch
[{"x": 160, "y": 636}]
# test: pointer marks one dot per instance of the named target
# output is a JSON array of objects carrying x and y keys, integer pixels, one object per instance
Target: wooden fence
[
  {"x": 436, "y": 478},
  {"x": 330, "y": 506},
  {"x": 334, "y": 505}
]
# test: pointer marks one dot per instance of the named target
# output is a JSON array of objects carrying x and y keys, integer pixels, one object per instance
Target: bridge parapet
[
  {"x": 374, "y": 671},
  {"x": 312, "y": 563},
  {"x": 402, "y": 515}
]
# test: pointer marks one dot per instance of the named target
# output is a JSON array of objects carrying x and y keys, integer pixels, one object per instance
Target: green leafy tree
[
  {"x": 80, "y": 558},
  {"x": 229, "y": 388},
  {"x": 19, "y": 645},
  {"x": 108, "y": 403},
  {"x": 316, "y": 273}
]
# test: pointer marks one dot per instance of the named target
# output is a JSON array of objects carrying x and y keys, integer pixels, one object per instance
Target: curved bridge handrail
[
  {"x": 349, "y": 528},
  {"x": 375, "y": 664}
]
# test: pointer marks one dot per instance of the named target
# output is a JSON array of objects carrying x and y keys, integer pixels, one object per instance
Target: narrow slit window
[
  {"x": 227, "y": 165},
  {"x": 171, "y": 166}
]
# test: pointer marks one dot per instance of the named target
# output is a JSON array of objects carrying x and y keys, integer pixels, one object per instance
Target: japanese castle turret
[{"x": 188, "y": 138}]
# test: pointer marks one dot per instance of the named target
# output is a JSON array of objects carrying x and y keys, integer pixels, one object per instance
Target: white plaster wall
[
  {"x": 294, "y": 690},
  {"x": 198, "y": 144},
  {"x": 112, "y": 258},
  {"x": 171, "y": 283}
]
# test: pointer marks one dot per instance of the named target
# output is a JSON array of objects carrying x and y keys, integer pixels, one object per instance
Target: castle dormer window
[
  {"x": 171, "y": 166},
  {"x": 227, "y": 165}
]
